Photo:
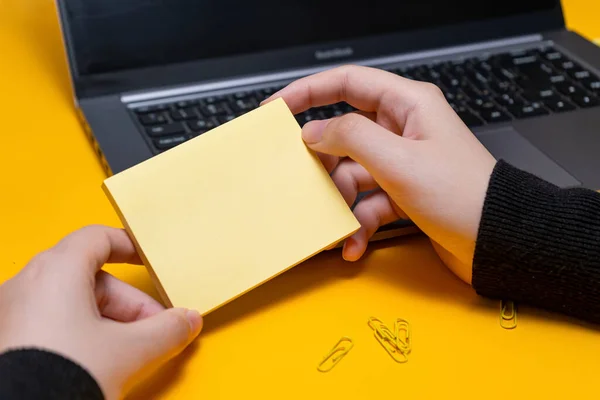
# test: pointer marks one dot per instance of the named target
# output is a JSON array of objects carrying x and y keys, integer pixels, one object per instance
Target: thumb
[
  {"x": 156, "y": 339},
  {"x": 356, "y": 136}
]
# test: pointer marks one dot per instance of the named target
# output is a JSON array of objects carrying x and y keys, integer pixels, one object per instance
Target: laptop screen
[{"x": 114, "y": 35}]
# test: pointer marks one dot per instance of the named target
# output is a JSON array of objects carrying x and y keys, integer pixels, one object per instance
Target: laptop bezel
[{"x": 212, "y": 70}]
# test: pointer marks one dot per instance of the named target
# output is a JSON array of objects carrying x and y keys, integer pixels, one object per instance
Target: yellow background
[{"x": 267, "y": 343}]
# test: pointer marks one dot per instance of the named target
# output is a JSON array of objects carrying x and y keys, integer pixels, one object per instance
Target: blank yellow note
[{"x": 231, "y": 209}]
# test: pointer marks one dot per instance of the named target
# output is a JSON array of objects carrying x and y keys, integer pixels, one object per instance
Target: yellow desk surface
[{"x": 267, "y": 343}]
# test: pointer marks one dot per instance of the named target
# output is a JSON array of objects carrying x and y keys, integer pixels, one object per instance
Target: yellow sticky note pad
[{"x": 226, "y": 211}]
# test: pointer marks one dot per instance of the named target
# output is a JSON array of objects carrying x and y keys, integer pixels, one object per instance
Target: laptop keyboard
[{"x": 485, "y": 90}]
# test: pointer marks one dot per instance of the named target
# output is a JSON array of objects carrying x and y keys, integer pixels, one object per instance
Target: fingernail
[
  {"x": 271, "y": 97},
  {"x": 195, "y": 320},
  {"x": 349, "y": 251},
  {"x": 312, "y": 132}
]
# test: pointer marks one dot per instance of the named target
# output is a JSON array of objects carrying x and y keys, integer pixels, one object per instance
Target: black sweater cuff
[
  {"x": 37, "y": 374},
  {"x": 539, "y": 244}
]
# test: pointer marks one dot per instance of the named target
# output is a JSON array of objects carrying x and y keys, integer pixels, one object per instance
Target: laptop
[{"x": 149, "y": 75}]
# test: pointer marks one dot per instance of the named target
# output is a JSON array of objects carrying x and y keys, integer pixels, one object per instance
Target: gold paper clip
[
  {"x": 508, "y": 314},
  {"x": 336, "y": 354},
  {"x": 391, "y": 348},
  {"x": 374, "y": 322},
  {"x": 396, "y": 343},
  {"x": 385, "y": 333},
  {"x": 403, "y": 343},
  {"x": 380, "y": 328}
]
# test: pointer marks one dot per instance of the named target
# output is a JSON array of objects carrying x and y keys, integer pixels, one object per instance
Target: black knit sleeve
[
  {"x": 539, "y": 244},
  {"x": 36, "y": 374}
]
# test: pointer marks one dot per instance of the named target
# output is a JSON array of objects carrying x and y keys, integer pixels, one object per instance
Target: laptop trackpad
[{"x": 508, "y": 144}]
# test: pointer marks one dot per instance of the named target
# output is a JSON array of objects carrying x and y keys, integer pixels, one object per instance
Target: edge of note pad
[
  {"x": 157, "y": 284},
  {"x": 155, "y": 279}
]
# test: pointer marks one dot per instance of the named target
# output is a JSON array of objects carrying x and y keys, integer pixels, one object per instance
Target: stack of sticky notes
[{"x": 228, "y": 210}]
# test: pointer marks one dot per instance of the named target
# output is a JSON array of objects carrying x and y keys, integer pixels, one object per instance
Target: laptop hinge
[{"x": 294, "y": 74}]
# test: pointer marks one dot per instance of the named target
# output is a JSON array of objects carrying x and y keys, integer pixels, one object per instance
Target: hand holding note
[
  {"x": 408, "y": 143},
  {"x": 61, "y": 302}
]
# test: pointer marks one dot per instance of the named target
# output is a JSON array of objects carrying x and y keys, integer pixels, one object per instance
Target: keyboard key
[
  {"x": 479, "y": 85},
  {"x": 301, "y": 119},
  {"x": 430, "y": 75},
  {"x": 319, "y": 113},
  {"x": 536, "y": 83},
  {"x": 470, "y": 92},
  {"x": 455, "y": 95},
  {"x": 153, "y": 119},
  {"x": 226, "y": 118},
  {"x": 538, "y": 95},
  {"x": 211, "y": 110},
  {"x": 585, "y": 100},
  {"x": 186, "y": 103},
  {"x": 570, "y": 89},
  {"x": 553, "y": 55},
  {"x": 540, "y": 80},
  {"x": 580, "y": 74},
  {"x": 213, "y": 99},
  {"x": 245, "y": 104},
  {"x": 520, "y": 53},
  {"x": 450, "y": 81},
  {"x": 503, "y": 73},
  {"x": 165, "y": 143},
  {"x": 557, "y": 78},
  {"x": 450, "y": 95},
  {"x": 433, "y": 73},
  {"x": 536, "y": 66},
  {"x": 547, "y": 69},
  {"x": 524, "y": 60},
  {"x": 241, "y": 95},
  {"x": 345, "y": 107},
  {"x": 151, "y": 109},
  {"x": 165, "y": 130},
  {"x": 558, "y": 105},
  {"x": 508, "y": 100},
  {"x": 566, "y": 65},
  {"x": 260, "y": 97},
  {"x": 403, "y": 72},
  {"x": 269, "y": 91},
  {"x": 481, "y": 103},
  {"x": 483, "y": 67},
  {"x": 202, "y": 124},
  {"x": 306, "y": 117},
  {"x": 528, "y": 110},
  {"x": 327, "y": 111},
  {"x": 501, "y": 86},
  {"x": 492, "y": 116},
  {"x": 470, "y": 119},
  {"x": 183, "y": 114},
  {"x": 592, "y": 84}
]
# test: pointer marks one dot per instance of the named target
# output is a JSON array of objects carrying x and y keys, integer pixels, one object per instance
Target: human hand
[
  {"x": 406, "y": 143},
  {"x": 62, "y": 302}
]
